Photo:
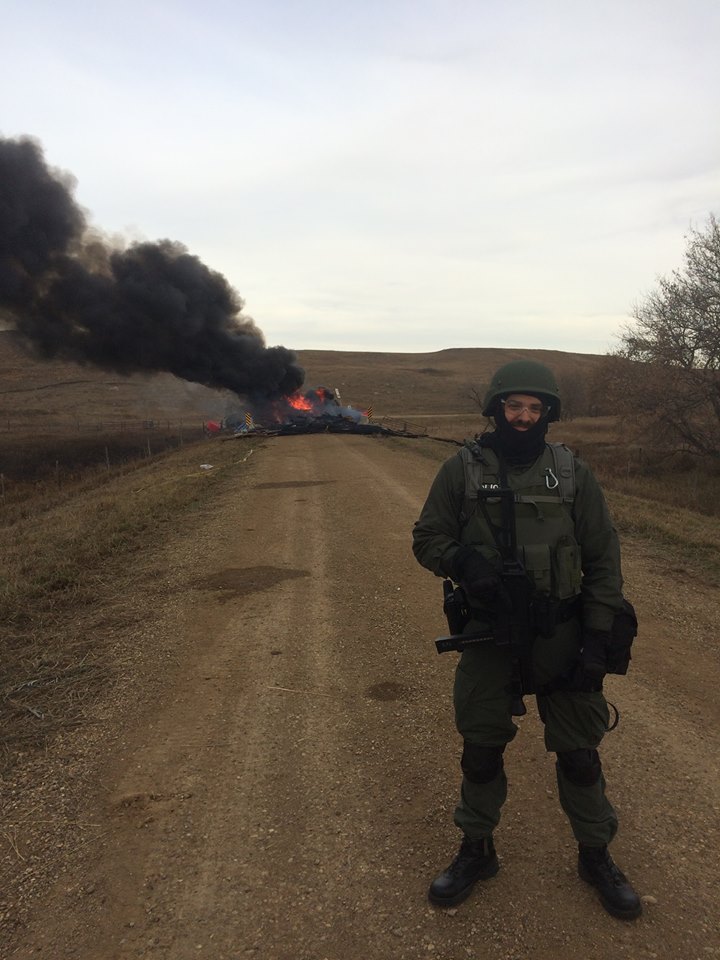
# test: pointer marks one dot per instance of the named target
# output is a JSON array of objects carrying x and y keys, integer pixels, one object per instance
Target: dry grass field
[
  {"x": 422, "y": 385},
  {"x": 93, "y": 464},
  {"x": 61, "y": 423},
  {"x": 54, "y": 394},
  {"x": 115, "y": 506}
]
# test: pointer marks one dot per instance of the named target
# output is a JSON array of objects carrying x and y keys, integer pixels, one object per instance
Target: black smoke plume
[{"x": 149, "y": 307}]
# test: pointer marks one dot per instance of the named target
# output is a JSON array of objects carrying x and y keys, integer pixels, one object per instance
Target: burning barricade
[
  {"x": 319, "y": 410},
  {"x": 315, "y": 411}
]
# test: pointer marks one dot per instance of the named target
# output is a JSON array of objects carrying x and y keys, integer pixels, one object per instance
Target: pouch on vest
[
  {"x": 567, "y": 568},
  {"x": 536, "y": 560},
  {"x": 624, "y": 630}
]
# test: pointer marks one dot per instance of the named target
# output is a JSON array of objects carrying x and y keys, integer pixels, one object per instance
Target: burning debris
[
  {"x": 319, "y": 410},
  {"x": 317, "y": 404},
  {"x": 148, "y": 307}
]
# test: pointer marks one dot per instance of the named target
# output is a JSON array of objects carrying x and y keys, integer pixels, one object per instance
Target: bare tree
[
  {"x": 574, "y": 393},
  {"x": 476, "y": 392},
  {"x": 675, "y": 340}
]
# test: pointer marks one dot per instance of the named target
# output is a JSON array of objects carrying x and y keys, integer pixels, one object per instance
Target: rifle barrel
[{"x": 458, "y": 641}]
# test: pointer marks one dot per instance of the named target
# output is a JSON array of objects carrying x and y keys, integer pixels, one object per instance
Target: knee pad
[
  {"x": 481, "y": 764},
  {"x": 581, "y": 767}
]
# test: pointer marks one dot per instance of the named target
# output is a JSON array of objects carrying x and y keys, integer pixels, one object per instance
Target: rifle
[
  {"x": 457, "y": 611},
  {"x": 513, "y": 624}
]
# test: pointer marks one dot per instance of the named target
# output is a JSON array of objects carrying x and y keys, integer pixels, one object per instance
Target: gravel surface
[{"x": 274, "y": 774}]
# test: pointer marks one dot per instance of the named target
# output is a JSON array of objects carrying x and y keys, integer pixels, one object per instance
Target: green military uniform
[{"x": 571, "y": 550}]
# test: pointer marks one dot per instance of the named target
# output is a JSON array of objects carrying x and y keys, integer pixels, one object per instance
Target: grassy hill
[
  {"x": 49, "y": 393},
  {"x": 408, "y": 384}
]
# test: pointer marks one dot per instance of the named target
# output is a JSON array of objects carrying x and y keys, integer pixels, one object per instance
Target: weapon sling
[{"x": 513, "y": 625}]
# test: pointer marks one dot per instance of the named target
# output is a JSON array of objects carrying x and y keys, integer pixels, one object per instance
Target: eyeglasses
[{"x": 534, "y": 409}]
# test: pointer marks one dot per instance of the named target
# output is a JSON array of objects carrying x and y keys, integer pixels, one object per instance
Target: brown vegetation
[
  {"x": 66, "y": 557},
  {"x": 668, "y": 365},
  {"x": 418, "y": 385},
  {"x": 204, "y": 753},
  {"x": 77, "y": 506}
]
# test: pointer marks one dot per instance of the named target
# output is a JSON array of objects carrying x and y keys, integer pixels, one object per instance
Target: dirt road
[{"x": 283, "y": 785}]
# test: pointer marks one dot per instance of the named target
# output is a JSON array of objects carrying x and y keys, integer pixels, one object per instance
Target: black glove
[
  {"x": 477, "y": 576},
  {"x": 588, "y": 671},
  {"x": 593, "y": 656}
]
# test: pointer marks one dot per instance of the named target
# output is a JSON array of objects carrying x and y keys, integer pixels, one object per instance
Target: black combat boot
[
  {"x": 475, "y": 860},
  {"x": 596, "y": 866}
]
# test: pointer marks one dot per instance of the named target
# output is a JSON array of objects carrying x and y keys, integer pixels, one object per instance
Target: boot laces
[
  {"x": 617, "y": 877},
  {"x": 469, "y": 850},
  {"x": 606, "y": 866}
]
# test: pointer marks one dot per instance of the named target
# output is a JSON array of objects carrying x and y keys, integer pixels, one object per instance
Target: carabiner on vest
[{"x": 551, "y": 481}]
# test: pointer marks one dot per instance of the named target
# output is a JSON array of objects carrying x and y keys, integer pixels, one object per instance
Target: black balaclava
[{"x": 516, "y": 446}]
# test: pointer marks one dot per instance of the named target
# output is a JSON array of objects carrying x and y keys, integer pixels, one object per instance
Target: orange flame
[{"x": 299, "y": 402}]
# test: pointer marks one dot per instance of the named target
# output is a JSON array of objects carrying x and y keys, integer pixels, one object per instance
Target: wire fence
[
  {"x": 41, "y": 455},
  {"x": 402, "y": 426},
  {"x": 34, "y": 425}
]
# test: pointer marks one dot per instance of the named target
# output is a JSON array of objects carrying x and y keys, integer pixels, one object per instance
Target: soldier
[{"x": 563, "y": 535}]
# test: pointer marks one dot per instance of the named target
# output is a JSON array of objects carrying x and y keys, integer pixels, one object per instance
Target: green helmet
[{"x": 523, "y": 376}]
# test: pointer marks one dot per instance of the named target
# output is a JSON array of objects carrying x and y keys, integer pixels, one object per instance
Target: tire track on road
[{"x": 292, "y": 793}]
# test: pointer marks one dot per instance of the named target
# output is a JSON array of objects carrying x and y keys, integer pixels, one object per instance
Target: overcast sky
[{"x": 398, "y": 175}]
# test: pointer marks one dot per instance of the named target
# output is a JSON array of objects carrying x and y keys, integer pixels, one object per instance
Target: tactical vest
[{"x": 544, "y": 524}]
